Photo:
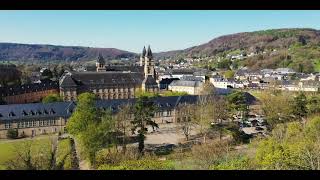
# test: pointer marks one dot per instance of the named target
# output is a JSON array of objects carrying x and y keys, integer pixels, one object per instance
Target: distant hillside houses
[{"x": 280, "y": 78}]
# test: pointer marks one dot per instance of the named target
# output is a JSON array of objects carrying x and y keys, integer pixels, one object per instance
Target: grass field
[
  {"x": 5, "y": 153},
  {"x": 7, "y": 148},
  {"x": 64, "y": 154}
]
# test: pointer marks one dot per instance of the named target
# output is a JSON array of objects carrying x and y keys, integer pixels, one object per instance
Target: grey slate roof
[
  {"x": 191, "y": 78},
  {"x": 186, "y": 83},
  {"x": 150, "y": 81},
  {"x": 139, "y": 69},
  {"x": 28, "y": 88},
  {"x": 101, "y": 78},
  {"x": 35, "y": 111}
]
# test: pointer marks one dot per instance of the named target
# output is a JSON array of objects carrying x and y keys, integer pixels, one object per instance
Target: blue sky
[{"x": 131, "y": 30}]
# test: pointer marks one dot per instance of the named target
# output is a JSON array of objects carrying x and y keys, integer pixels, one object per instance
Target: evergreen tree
[
  {"x": 144, "y": 110},
  {"x": 300, "y": 105}
]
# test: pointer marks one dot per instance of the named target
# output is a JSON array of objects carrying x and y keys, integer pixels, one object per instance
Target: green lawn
[
  {"x": 5, "y": 153},
  {"x": 64, "y": 156},
  {"x": 7, "y": 147}
]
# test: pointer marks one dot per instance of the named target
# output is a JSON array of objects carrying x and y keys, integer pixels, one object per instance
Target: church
[{"x": 112, "y": 83}]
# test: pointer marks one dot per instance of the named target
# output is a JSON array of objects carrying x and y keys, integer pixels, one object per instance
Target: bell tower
[
  {"x": 149, "y": 83},
  {"x": 100, "y": 64},
  {"x": 149, "y": 64}
]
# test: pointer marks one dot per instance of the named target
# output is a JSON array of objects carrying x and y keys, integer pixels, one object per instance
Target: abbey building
[{"x": 112, "y": 83}]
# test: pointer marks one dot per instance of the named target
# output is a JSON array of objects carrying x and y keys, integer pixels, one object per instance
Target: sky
[{"x": 131, "y": 30}]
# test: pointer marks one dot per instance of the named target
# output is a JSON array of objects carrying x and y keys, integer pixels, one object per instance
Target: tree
[
  {"x": 95, "y": 129},
  {"x": 144, "y": 110},
  {"x": 300, "y": 106},
  {"x": 12, "y": 133},
  {"x": 46, "y": 74},
  {"x": 98, "y": 135},
  {"x": 123, "y": 123},
  {"x": 229, "y": 74},
  {"x": 224, "y": 64},
  {"x": 276, "y": 107},
  {"x": 219, "y": 114},
  {"x": 186, "y": 118},
  {"x": 313, "y": 105},
  {"x": 52, "y": 98},
  {"x": 84, "y": 114},
  {"x": 237, "y": 103},
  {"x": 291, "y": 146},
  {"x": 203, "y": 110}
]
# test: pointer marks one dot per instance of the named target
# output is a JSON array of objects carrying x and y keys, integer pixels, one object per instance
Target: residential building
[
  {"x": 28, "y": 93},
  {"x": 190, "y": 87}
]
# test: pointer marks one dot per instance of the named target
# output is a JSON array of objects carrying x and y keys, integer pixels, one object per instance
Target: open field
[{"x": 7, "y": 147}]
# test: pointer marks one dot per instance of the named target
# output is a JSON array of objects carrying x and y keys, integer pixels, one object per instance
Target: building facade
[
  {"x": 190, "y": 87},
  {"x": 28, "y": 93},
  {"x": 111, "y": 82},
  {"x": 38, "y": 118},
  {"x": 35, "y": 118}
]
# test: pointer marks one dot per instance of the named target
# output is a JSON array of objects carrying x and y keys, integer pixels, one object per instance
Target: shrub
[
  {"x": 234, "y": 163},
  {"x": 142, "y": 164},
  {"x": 12, "y": 133}
]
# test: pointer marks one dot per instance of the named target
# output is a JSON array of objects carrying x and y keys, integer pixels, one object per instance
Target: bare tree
[
  {"x": 123, "y": 124},
  {"x": 219, "y": 113},
  {"x": 22, "y": 158},
  {"x": 186, "y": 119}
]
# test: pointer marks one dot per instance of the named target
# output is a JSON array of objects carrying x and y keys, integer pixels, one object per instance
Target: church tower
[
  {"x": 142, "y": 56},
  {"x": 100, "y": 64},
  {"x": 149, "y": 83},
  {"x": 149, "y": 64}
]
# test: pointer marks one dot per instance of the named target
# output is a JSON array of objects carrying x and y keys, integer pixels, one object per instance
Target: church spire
[
  {"x": 143, "y": 51},
  {"x": 100, "y": 59},
  {"x": 149, "y": 52}
]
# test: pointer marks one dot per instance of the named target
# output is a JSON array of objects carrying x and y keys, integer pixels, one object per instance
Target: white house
[
  {"x": 190, "y": 87},
  {"x": 222, "y": 83}
]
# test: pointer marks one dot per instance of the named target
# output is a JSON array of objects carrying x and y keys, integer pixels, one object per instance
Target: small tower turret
[
  {"x": 142, "y": 56},
  {"x": 100, "y": 64}
]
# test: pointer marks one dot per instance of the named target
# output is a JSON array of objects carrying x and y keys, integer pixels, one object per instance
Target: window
[
  {"x": 164, "y": 113},
  {"x": 7, "y": 125},
  {"x": 27, "y": 124},
  {"x": 41, "y": 123},
  {"x": 45, "y": 123},
  {"x": 18, "y": 124}
]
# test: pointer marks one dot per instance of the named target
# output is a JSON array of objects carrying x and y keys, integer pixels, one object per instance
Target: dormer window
[
  {"x": 11, "y": 114},
  {"x": 52, "y": 111},
  {"x": 45, "y": 112},
  {"x": 32, "y": 113},
  {"x": 39, "y": 112},
  {"x": 24, "y": 113},
  {"x": 1, "y": 115}
]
